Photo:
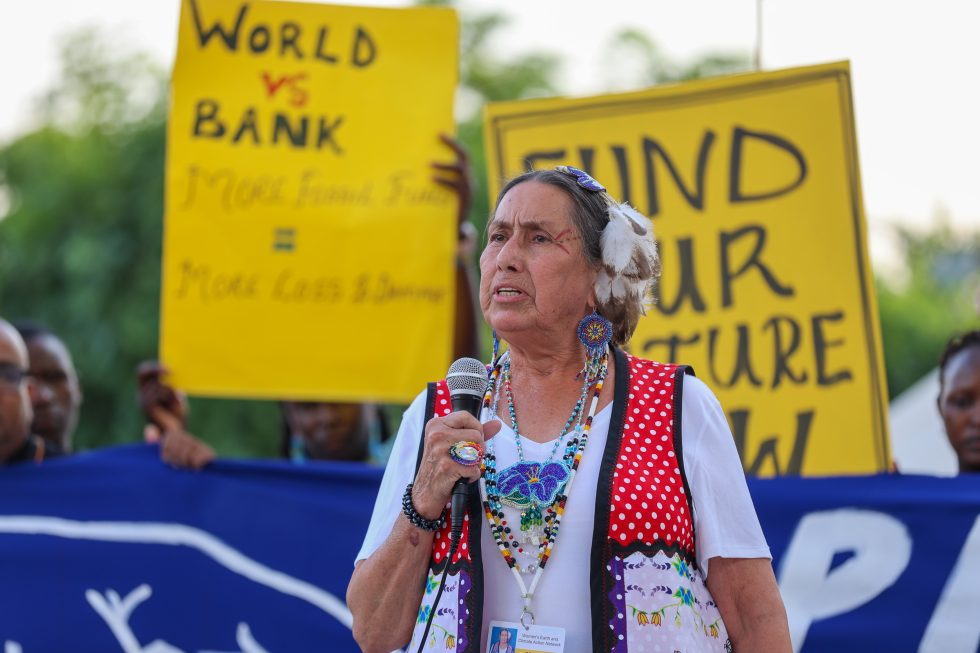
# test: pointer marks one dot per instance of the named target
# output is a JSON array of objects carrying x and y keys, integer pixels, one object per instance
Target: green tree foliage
[
  {"x": 633, "y": 53},
  {"x": 80, "y": 244},
  {"x": 485, "y": 76},
  {"x": 936, "y": 299}
]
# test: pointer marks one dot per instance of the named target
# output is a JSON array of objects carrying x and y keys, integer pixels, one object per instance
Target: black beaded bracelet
[{"x": 418, "y": 520}]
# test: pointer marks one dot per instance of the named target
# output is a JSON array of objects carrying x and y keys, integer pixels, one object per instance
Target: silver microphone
[{"x": 467, "y": 381}]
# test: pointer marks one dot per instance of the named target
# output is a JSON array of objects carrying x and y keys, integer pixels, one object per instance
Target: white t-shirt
[{"x": 725, "y": 523}]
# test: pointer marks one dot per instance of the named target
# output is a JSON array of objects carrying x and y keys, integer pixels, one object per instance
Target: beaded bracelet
[{"x": 418, "y": 520}]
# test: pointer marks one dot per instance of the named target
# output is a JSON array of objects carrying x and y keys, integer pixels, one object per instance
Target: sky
[{"x": 913, "y": 69}]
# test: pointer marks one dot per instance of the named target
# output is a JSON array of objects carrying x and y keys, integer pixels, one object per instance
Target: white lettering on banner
[
  {"x": 881, "y": 548},
  {"x": 116, "y": 611},
  {"x": 955, "y": 626}
]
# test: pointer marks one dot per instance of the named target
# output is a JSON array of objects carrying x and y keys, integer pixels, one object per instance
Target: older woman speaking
[{"x": 609, "y": 485}]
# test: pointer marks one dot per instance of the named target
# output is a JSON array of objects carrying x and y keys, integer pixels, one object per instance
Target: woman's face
[
  {"x": 959, "y": 405},
  {"x": 534, "y": 275}
]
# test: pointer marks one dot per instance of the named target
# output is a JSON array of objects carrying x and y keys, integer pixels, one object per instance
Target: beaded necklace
[
  {"x": 492, "y": 500},
  {"x": 532, "y": 486},
  {"x": 576, "y": 413}
]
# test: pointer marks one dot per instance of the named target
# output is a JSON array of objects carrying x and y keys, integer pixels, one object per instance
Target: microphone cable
[{"x": 454, "y": 538}]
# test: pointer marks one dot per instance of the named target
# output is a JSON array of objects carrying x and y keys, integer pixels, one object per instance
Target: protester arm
[
  {"x": 155, "y": 393},
  {"x": 456, "y": 176},
  {"x": 465, "y": 341},
  {"x": 748, "y": 599},
  {"x": 180, "y": 448},
  {"x": 166, "y": 410},
  {"x": 386, "y": 589},
  {"x": 387, "y": 585}
]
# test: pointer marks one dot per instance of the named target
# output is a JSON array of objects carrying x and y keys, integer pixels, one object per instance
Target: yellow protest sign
[
  {"x": 307, "y": 253},
  {"x": 752, "y": 183}
]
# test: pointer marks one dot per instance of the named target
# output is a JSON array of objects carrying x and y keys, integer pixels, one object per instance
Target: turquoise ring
[{"x": 466, "y": 453}]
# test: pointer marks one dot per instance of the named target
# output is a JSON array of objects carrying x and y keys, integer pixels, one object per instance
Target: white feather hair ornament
[
  {"x": 621, "y": 287},
  {"x": 603, "y": 286},
  {"x": 617, "y": 240},
  {"x": 629, "y": 256},
  {"x": 641, "y": 225}
]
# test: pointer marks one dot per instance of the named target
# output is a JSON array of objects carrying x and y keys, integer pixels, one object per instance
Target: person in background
[
  {"x": 319, "y": 430},
  {"x": 314, "y": 430},
  {"x": 57, "y": 394},
  {"x": 16, "y": 392},
  {"x": 959, "y": 398}
]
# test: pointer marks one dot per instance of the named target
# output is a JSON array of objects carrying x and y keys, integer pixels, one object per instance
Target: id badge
[{"x": 512, "y": 637}]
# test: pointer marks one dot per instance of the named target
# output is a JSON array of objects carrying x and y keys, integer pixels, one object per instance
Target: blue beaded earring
[
  {"x": 496, "y": 349},
  {"x": 596, "y": 333}
]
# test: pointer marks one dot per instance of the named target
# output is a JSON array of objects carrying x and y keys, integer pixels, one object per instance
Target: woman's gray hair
[{"x": 590, "y": 217}]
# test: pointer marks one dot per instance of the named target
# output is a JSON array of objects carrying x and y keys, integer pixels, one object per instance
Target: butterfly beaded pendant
[
  {"x": 529, "y": 484},
  {"x": 532, "y": 488}
]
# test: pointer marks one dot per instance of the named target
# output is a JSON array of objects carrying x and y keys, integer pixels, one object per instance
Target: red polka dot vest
[{"x": 643, "y": 505}]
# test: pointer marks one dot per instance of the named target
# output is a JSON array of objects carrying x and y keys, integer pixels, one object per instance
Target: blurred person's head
[
  {"x": 959, "y": 398},
  {"x": 57, "y": 395},
  {"x": 15, "y": 399},
  {"x": 330, "y": 431}
]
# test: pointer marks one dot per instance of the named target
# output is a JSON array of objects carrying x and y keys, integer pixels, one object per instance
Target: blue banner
[
  {"x": 880, "y": 563},
  {"x": 115, "y": 551}
]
